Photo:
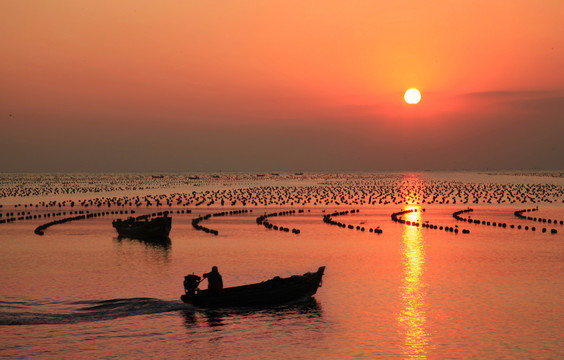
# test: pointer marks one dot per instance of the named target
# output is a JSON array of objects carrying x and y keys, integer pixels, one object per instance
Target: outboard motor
[{"x": 191, "y": 283}]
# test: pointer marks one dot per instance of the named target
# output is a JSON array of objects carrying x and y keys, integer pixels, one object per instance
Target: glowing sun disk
[{"x": 412, "y": 96}]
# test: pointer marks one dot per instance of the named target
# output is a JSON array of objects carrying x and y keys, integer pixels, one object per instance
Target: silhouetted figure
[{"x": 215, "y": 282}]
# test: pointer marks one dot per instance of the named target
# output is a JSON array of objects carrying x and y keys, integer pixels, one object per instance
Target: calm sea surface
[{"x": 411, "y": 292}]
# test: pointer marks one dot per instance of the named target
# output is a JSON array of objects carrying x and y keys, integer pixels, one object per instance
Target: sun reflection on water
[{"x": 412, "y": 317}]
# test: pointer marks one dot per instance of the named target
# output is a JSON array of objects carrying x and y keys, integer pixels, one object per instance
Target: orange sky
[{"x": 276, "y": 85}]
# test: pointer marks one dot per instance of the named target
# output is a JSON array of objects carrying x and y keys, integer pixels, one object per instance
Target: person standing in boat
[{"x": 215, "y": 282}]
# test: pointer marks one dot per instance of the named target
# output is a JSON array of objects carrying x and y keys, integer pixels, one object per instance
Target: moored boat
[
  {"x": 276, "y": 291},
  {"x": 144, "y": 228}
]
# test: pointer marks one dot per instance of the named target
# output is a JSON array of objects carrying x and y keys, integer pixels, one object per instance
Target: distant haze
[{"x": 274, "y": 86}]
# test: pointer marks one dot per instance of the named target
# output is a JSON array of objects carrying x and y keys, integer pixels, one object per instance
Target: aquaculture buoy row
[
  {"x": 196, "y": 221},
  {"x": 396, "y": 218},
  {"x": 519, "y": 214},
  {"x": 263, "y": 220},
  {"x": 19, "y": 216},
  {"x": 328, "y": 219},
  {"x": 27, "y": 215},
  {"x": 40, "y": 230},
  {"x": 184, "y": 211},
  {"x": 457, "y": 216},
  {"x": 162, "y": 200}
]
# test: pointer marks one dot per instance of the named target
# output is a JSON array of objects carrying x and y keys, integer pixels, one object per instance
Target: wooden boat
[
  {"x": 144, "y": 228},
  {"x": 276, "y": 291}
]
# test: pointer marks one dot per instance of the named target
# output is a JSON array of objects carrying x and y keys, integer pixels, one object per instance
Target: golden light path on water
[{"x": 412, "y": 317}]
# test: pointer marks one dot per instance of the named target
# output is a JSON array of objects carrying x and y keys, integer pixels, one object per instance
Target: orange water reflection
[{"x": 412, "y": 317}]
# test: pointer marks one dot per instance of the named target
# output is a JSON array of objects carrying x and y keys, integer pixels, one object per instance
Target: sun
[{"x": 412, "y": 96}]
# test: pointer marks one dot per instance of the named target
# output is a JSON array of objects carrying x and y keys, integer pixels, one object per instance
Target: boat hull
[
  {"x": 276, "y": 291},
  {"x": 154, "y": 229}
]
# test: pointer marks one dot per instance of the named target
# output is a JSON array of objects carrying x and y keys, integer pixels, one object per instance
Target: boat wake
[{"x": 45, "y": 312}]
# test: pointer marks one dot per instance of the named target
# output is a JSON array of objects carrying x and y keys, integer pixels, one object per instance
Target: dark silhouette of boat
[
  {"x": 276, "y": 291},
  {"x": 144, "y": 228}
]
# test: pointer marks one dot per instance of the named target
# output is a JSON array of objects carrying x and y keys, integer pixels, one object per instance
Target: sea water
[{"x": 410, "y": 292}]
